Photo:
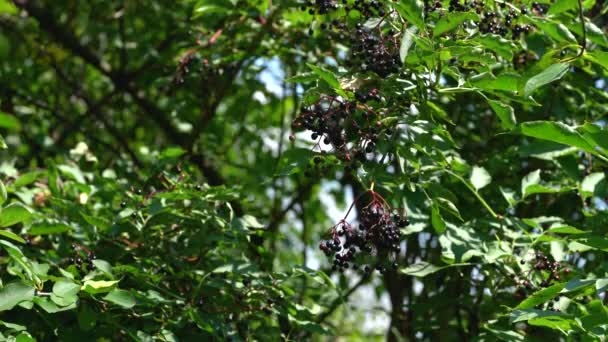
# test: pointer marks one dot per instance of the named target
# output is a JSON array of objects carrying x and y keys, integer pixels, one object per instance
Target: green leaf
[
  {"x": 505, "y": 114},
  {"x": 11, "y": 235},
  {"x": 103, "y": 266},
  {"x": 555, "y": 30},
  {"x": 249, "y": 221},
  {"x": 9, "y": 122},
  {"x": 3, "y": 195},
  {"x": 529, "y": 180},
  {"x": 422, "y": 269},
  {"x": 65, "y": 288},
  {"x": 480, "y": 177},
  {"x": 598, "y": 57},
  {"x": 556, "y": 132},
  {"x": 540, "y": 297},
  {"x": 565, "y": 230},
  {"x": 407, "y": 41},
  {"x": 521, "y": 315},
  {"x": 13, "y": 294},
  {"x": 98, "y": 286},
  {"x": 448, "y": 206},
  {"x": 590, "y": 183},
  {"x": 48, "y": 227},
  {"x": 13, "y": 214},
  {"x": 561, "y": 6},
  {"x": 436, "y": 220},
  {"x": 411, "y": 10},
  {"x": 550, "y": 74},
  {"x": 2, "y": 143},
  {"x": 328, "y": 77},
  {"x": 508, "y": 195},
  {"x": 451, "y": 21},
  {"x": 121, "y": 297},
  {"x": 578, "y": 284},
  {"x": 47, "y": 305},
  {"x": 306, "y": 77}
]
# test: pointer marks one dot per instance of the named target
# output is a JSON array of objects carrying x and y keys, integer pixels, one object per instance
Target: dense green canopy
[{"x": 267, "y": 170}]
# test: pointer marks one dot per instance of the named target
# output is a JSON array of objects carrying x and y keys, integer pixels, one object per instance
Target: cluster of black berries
[
  {"x": 83, "y": 258},
  {"x": 455, "y": 5},
  {"x": 543, "y": 273},
  {"x": 319, "y": 6},
  {"x": 376, "y": 51},
  {"x": 378, "y": 234},
  {"x": 351, "y": 128}
]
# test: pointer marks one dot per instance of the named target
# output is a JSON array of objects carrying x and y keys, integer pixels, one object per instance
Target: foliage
[{"x": 178, "y": 170}]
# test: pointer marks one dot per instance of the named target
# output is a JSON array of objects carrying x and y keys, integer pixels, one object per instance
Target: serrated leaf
[
  {"x": 448, "y": 206},
  {"x": 480, "y": 177},
  {"x": 505, "y": 114},
  {"x": 550, "y": 74},
  {"x": 328, "y": 77}
]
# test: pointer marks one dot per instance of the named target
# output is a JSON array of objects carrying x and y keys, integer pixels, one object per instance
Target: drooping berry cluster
[
  {"x": 375, "y": 240},
  {"x": 375, "y": 50},
  {"x": 83, "y": 258},
  {"x": 543, "y": 273},
  {"x": 351, "y": 128}
]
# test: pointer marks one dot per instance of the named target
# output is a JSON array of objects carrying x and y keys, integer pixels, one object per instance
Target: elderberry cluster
[
  {"x": 543, "y": 273},
  {"x": 372, "y": 50},
  {"x": 377, "y": 236},
  {"x": 83, "y": 258},
  {"x": 351, "y": 128},
  {"x": 500, "y": 22}
]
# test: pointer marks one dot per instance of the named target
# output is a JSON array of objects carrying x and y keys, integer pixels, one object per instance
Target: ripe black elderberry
[
  {"x": 351, "y": 128},
  {"x": 377, "y": 235},
  {"x": 83, "y": 258},
  {"x": 374, "y": 51},
  {"x": 543, "y": 273}
]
